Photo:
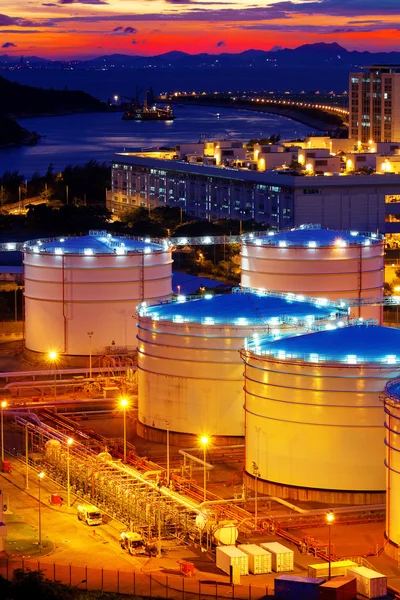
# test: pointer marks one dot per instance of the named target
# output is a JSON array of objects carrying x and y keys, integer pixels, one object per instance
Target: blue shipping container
[{"x": 290, "y": 587}]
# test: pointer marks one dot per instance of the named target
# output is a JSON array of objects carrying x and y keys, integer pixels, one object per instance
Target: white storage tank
[
  {"x": 92, "y": 283},
  {"x": 317, "y": 262},
  {"x": 314, "y": 417},
  {"x": 190, "y": 375},
  {"x": 392, "y": 464}
]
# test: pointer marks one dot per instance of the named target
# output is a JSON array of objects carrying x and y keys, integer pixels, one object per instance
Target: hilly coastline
[{"x": 18, "y": 100}]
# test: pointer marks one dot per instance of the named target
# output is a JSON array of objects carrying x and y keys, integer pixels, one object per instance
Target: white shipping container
[
  {"x": 260, "y": 560},
  {"x": 369, "y": 583},
  {"x": 230, "y": 555},
  {"x": 282, "y": 557},
  {"x": 338, "y": 568}
]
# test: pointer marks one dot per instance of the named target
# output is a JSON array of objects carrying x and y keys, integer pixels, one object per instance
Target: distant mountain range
[{"x": 311, "y": 55}]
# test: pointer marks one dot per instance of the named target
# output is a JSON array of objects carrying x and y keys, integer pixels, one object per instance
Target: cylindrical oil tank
[
  {"x": 392, "y": 464},
  {"x": 318, "y": 262},
  {"x": 313, "y": 413},
  {"x": 91, "y": 283},
  {"x": 190, "y": 376}
]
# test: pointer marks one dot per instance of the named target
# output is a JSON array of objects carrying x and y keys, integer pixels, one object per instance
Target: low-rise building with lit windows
[{"x": 337, "y": 194}]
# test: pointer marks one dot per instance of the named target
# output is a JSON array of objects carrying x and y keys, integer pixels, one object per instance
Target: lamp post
[
  {"x": 330, "y": 517},
  {"x": 167, "y": 425},
  {"x": 26, "y": 457},
  {"x": 90, "y": 333},
  {"x": 3, "y": 405},
  {"x": 70, "y": 441},
  {"x": 124, "y": 405},
  {"x": 205, "y": 441},
  {"x": 53, "y": 357},
  {"x": 256, "y": 474},
  {"x": 40, "y": 477}
]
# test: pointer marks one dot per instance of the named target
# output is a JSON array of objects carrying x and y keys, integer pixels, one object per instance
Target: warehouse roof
[
  {"x": 356, "y": 344},
  {"x": 240, "y": 308}
]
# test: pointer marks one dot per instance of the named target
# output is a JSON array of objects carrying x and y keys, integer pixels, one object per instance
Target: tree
[
  {"x": 296, "y": 166},
  {"x": 33, "y": 584}
]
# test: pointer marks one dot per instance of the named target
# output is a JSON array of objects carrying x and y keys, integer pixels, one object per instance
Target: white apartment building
[
  {"x": 374, "y": 103},
  {"x": 277, "y": 198}
]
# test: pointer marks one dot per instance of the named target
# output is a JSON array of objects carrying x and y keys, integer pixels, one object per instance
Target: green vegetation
[
  {"x": 272, "y": 139},
  {"x": 84, "y": 187},
  {"x": 13, "y": 134},
  {"x": 17, "y": 100},
  {"x": 78, "y": 185}
]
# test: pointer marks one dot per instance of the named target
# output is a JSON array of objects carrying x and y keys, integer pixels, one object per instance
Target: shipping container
[
  {"x": 337, "y": 568},
  {"x": 339, "y": 588},
  {"x": 290, "y": 587},
  {"x": 260, "y": 560},
  {"x": 370, "y": 584},
  {"x": 282, "y": 557},
  {"x": 230, "y": 555}
]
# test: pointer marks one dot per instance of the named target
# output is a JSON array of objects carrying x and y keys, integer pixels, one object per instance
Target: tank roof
[
  {"x": 392, "y": 389},
  {"x": 358, "y": 344},
  {"x": 242, "y": 308},
  {"x": 314, "y": 237},
  {"x": 97, "y": 242}
]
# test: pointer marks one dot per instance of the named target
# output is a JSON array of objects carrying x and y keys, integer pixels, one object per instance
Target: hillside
[
  {"x": 22, "y": 100},
  {"x": 12, "y": 134}
]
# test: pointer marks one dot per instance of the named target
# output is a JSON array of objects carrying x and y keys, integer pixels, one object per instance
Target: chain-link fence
[{"x": 159, "y": 585}]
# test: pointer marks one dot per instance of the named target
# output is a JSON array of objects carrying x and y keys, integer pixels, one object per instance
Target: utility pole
[{"x": 256, "y": 474}]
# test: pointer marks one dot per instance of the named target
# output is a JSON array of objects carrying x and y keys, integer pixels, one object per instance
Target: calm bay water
[{"x": 76, "y": 139}]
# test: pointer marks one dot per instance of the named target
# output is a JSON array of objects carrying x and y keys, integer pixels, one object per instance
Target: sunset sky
[{"x": 82, "y": 28}]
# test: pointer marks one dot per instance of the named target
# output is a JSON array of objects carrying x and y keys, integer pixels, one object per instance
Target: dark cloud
[
  {"x": 366, "y": 22},
  {"x": 82, "y": 2},
  {"x": 348, "y": 8},
  {"x": 120, "y": 30},
  {"x": 6, "y": 21},
  {"x": 319, "y": 29},
  {"x": 51, "y": 4},
  {"x": 220, "y": 44},
  {"x": 9, "y": 45},
  {"x": 195, "y": 14},
  {"x": 19, "y": 31},
  {"x": 134, "y": 42}
]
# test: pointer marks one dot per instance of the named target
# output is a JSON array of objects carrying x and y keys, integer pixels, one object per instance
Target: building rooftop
[
  {"x": 358, "y": 344},
  {"x": 313, "y": 236},
  {"x": 241, "y": 308},
  {"x": 97, "y": 242},
  {"x": 268, "y": 177}
]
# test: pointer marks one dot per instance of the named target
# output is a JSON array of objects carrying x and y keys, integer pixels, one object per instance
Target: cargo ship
[{"x": 148, "y": 111}]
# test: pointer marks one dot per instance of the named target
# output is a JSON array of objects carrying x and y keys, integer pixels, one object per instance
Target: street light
[
  {"x": 53, "y": 358},
  {"x": 167, "y": 425},
  {"x": 256, "y": 474},
  {"x": 330, "y": 517},
  {"x": 3, "y": 405},
  {"x": 124, "y": 405},
  {"x": 205, "y": 440},
  {"x": 40, "y": 477},
  {"x": 90, "y": 333},
  {"x": 70, "y": 441}
]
